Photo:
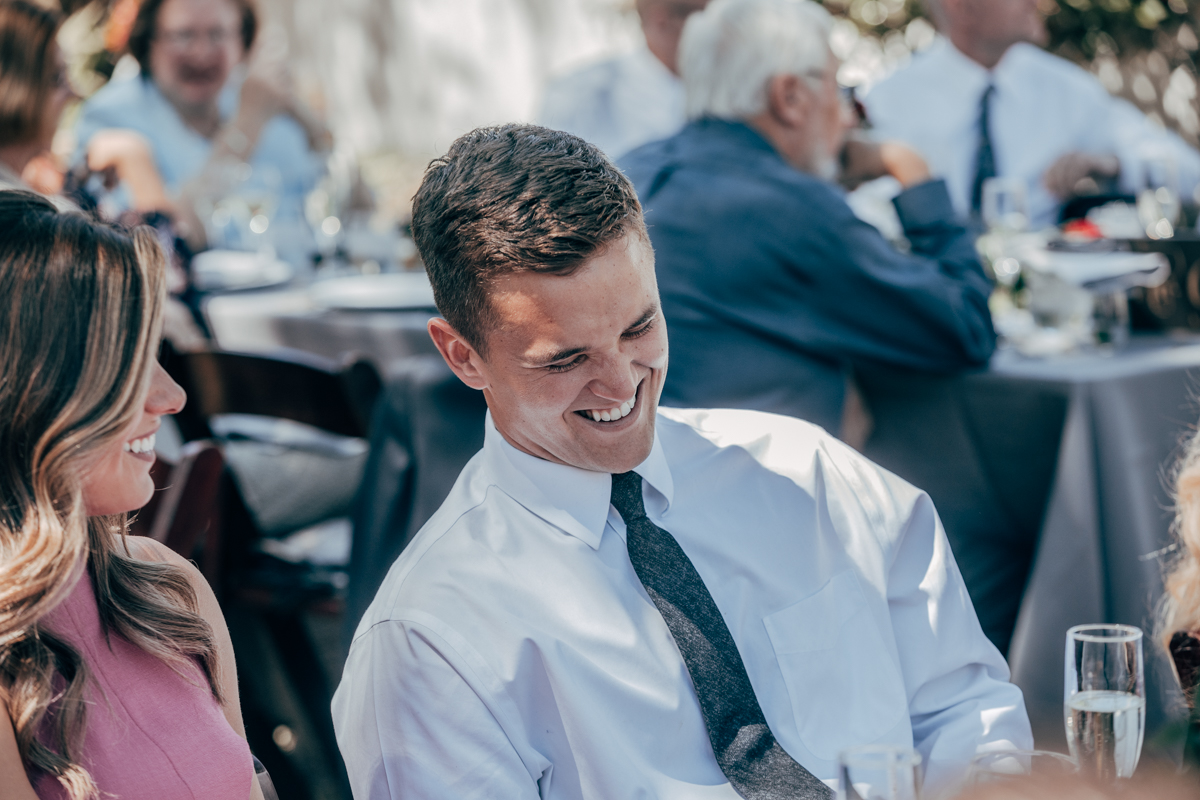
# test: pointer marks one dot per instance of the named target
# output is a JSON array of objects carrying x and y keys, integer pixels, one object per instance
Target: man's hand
[
  {"x": 864, "y": 161},
  {"x": 124, "y": 156},
  {"x": 1064, "y": 176}
]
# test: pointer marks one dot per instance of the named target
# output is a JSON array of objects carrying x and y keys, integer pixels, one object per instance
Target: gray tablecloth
[
  {"x": 1054, "y": 471},
  {"x": 262, "y": 321}
]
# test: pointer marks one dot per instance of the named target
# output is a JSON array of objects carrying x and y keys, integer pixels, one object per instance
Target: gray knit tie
[{"x": 746, "y": 750}]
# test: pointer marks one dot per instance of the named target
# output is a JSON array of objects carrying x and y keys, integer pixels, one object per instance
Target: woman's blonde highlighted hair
[
  {"x": 78, "y": 337},
  {"x": 1180, "y": 609}
]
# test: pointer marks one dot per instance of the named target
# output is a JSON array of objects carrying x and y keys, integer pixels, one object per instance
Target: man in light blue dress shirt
[
  {"x": 513, "y": 650},
  {"x": 633, "y": 98},
  {"x": 1051, "y": 124}
]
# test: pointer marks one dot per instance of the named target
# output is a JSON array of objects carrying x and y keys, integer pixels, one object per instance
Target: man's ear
[
  {"x": 461, "y": 357},
  {"x": 789, "y": 100}
]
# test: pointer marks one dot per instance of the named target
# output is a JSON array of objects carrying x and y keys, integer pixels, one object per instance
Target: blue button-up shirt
[{"x": 771, "y": 285}]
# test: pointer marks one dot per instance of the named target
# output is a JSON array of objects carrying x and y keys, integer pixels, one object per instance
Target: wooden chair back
[{"x": 289, "y": 384}]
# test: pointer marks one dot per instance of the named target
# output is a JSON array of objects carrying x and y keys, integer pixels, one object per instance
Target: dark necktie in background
[
  {"x": 746, "y": 750},
  {"x": 985, "y": 158}
]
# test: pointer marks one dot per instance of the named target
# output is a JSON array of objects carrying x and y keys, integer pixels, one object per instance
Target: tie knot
[{"x": 627, "y": 496}]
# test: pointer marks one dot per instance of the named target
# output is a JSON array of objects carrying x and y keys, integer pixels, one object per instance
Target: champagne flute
[
  {"x": 1104, "y": 704},
  {"x": 878, "y": 772}
]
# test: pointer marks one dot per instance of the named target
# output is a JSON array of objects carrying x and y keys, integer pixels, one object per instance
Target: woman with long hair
[
  {"x": 116, "y": 669},
  {"x": 1179, "y": 612}
]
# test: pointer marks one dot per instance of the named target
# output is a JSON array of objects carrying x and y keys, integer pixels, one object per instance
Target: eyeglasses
[{"x": 187, "y": 38}]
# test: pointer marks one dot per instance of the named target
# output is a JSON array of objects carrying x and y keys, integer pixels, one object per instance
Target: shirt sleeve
[
  {"x": 960, "y": 699},
  {"x": 410, "y": 723},
  {"x": 926, "y": 309},
  {"x": 1134, "y": 138}
]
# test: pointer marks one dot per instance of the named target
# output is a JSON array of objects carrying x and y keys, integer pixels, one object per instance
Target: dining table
[
  {"x": 1052, "y": 477},
  {"x": 1057, "y": 467}
]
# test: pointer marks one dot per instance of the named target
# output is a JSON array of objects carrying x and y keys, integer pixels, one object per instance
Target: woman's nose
[{"x": 165, "y": 396}]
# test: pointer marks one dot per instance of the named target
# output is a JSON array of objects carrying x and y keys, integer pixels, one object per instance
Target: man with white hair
[
  {"x": 771, "y": 286},
  {"x": 624, "y": 102},
  {"x": 985, "y": 100}
]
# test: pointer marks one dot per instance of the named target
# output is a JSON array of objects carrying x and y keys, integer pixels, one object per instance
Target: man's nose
[{"x": 618, "y": 382}]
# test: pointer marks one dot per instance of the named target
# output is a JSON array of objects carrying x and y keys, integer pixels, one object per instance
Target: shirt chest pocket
[{"x": 843, "y": 683}]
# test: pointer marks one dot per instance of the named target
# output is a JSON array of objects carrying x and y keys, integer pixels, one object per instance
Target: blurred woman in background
[
  {"x": 34, "y": 91},
  {"x": 116, "y": 669},
  {"x": 34, "y": 88},
  {"x": 207, "y": 109}
]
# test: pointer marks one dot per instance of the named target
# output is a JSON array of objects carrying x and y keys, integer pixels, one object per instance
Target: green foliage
[
  {"x": 1085, "y": 29},
  {"x": 1079, "y": 29}
]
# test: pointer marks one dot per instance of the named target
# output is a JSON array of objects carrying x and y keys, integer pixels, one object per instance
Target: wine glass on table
[
  {"x": 1104, "y": 703},
  {"x": 878, "y": 772},
  {"x": 1003, "y": 206}
]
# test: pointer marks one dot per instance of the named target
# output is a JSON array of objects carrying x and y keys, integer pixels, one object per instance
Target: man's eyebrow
[
  {"x": 559, "y": 355},
  {"x": 647, "y": 315},
  {"x": 570, "y": 352}
]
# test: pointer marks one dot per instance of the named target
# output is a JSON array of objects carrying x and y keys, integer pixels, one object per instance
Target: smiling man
[{"x": 619, "y": 601}]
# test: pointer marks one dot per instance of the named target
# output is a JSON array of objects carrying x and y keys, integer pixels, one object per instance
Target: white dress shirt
[
  {"x": 512, "y": 651},
  {"x": 618, "y": 104},
  {"x": 1043, "y": 108}
]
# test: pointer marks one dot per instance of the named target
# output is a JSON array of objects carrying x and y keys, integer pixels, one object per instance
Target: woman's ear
[{"x": 460, "y": 356}]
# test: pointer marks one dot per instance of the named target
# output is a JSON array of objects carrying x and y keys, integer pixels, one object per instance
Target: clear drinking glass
[
  {"x": 1161, "y": 177},
  {"x": 1003, "y": 205},
  {"x": 878, "y": 772},
  {"x": 1104, "y": 704},
  {"x": 1003, "y": 765}
]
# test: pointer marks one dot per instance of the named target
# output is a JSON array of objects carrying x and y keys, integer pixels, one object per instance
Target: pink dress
[{"x": 150, "y": 732}]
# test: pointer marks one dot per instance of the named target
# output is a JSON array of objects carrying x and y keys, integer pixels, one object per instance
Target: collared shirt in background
[
  {"x": 513, "y": 652},
  {"x": 1044, "y": 107},
  {"x": 617, "y": 104},
  {"x": 771, "y": 285}
]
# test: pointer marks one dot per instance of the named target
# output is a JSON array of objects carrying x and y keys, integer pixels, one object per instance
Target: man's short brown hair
[{"x": 514, "y": 198}]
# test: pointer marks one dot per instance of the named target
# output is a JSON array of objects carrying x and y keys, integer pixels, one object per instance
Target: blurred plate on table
[
  {"x": 390, "y": 291},
  {"x": 215, "y": 270}
]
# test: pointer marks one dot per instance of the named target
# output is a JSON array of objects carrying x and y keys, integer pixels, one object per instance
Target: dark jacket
[{"x": 771, "y": 286}]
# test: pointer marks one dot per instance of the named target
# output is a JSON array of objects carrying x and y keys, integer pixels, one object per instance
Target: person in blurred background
[
  {"x": 116, "y": 669},
  {"x": 987, "y": 101},
  {"x": 35, "y": 89},
  {"x": 627, "y": 101},
  {"x": 202, "y": 121},
  {"x": 770, "y": 285}
]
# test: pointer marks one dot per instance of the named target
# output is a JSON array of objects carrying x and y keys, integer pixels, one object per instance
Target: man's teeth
[
  {"x": 143, "y": 445},
  {"x": 613, "y": 414}
]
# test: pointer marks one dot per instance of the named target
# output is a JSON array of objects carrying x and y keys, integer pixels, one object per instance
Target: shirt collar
[
  {"x": 572, "y": 499},
  {"x": 975, "y": 72}
]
